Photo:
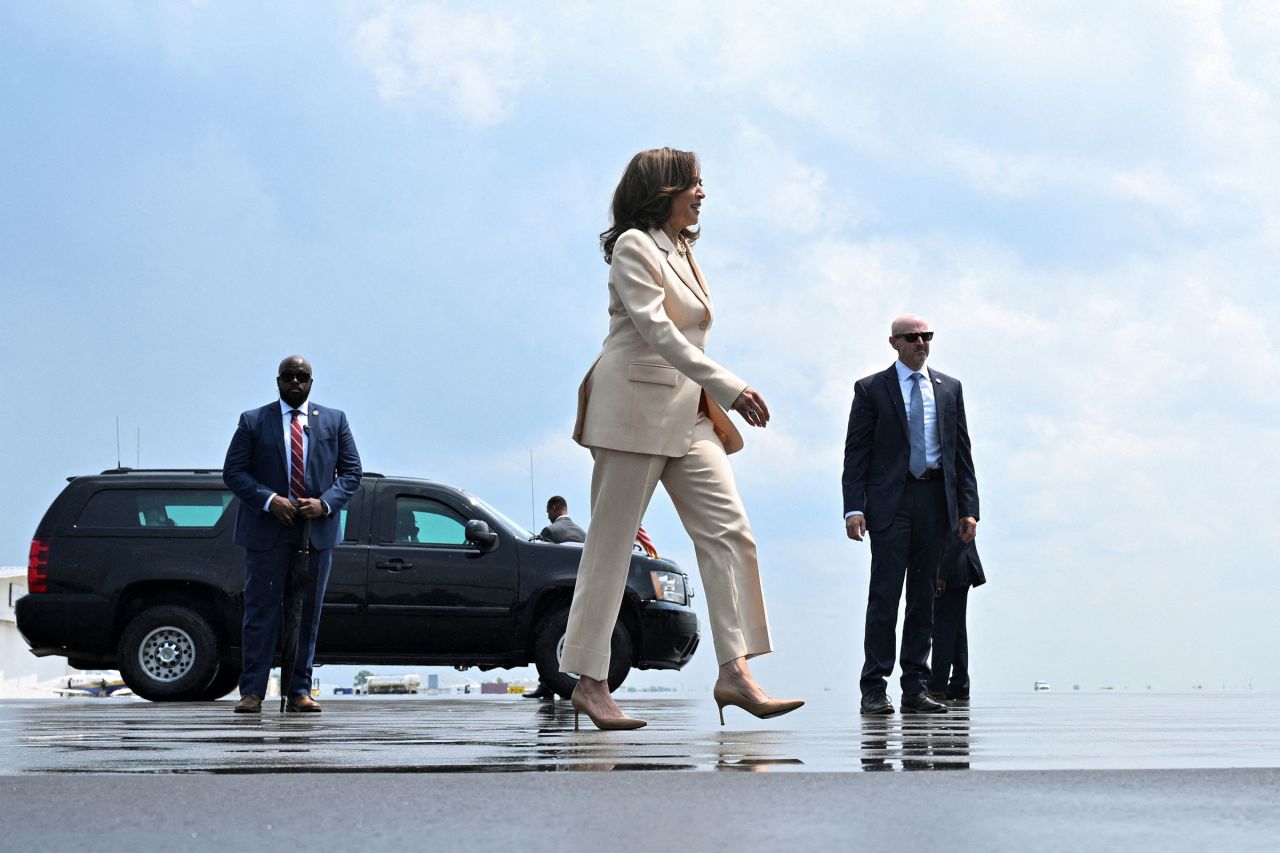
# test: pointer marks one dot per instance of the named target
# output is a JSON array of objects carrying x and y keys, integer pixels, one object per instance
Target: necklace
[{"x": 677, "y": 240}]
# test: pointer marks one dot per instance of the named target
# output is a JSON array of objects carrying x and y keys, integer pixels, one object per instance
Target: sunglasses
[
  {"x": 295, "y": 377},
  {"x": 912, "y": 337}
]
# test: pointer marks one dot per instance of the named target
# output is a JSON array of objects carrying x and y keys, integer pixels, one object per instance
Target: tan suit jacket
[{"x": 642, "y": 394}]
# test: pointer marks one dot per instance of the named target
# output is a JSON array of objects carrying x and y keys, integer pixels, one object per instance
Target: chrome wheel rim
[{"x": 166, "y": 653}]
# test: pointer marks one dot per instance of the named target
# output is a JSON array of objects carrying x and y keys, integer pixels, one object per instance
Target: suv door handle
[{"x": 394, "y": 565}]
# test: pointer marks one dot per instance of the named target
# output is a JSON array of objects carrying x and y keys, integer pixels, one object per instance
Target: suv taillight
[{"x": 38, "y": 566}]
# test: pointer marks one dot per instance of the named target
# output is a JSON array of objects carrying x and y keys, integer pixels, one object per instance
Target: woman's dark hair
[{"x": 643, "y": 197}]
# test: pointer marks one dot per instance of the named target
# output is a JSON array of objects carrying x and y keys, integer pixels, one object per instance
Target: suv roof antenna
[
  {"x": 118, "y": 441},
  {"x": 533, "y": 504}
]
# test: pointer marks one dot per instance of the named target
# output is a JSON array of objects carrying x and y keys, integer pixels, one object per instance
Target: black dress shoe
[
  {"x": 937, "y": 695},
  {"x": 876, "y": 703},
  {"x": 958, "y": 697},
  {"x": 543, "y": 691},
  {"x": 922, "y": 704}
]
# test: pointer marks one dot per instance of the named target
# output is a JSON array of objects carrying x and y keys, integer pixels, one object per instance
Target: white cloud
[
  {"x": 1019, "y": 101},
  {"x": 476, "y": 62},
  {"x": 773, "y": 188}
]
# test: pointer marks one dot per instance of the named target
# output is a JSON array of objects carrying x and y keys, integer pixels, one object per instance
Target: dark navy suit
[
  {"x": 907, "y": 518},
  {"x": 255, "y": 468},
  {"x": 961, "y": 568}
]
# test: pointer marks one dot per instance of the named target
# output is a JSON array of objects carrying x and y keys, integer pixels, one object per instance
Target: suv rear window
[{"x": 145, "y": 508}]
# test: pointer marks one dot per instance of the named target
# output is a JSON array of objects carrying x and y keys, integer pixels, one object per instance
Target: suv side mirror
[{"x": 478, "y": 533}]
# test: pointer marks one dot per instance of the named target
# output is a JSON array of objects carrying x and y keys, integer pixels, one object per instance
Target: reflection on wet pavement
[
  {"x": 509, "y": 734},
  {"x": 916, "y": 742}
]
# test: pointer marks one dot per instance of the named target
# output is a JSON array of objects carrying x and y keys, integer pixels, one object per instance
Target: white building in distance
[{"x": 20, "y": 670}]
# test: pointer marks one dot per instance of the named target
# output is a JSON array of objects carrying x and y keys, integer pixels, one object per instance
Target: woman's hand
[{"x": 752, "y": 407}]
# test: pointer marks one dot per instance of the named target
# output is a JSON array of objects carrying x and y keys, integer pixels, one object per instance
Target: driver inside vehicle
[{"x": 406, "y": 526}]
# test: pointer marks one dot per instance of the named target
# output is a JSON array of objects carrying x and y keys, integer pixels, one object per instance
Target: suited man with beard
[
  {"x": 289, "y": 460},
  {"x": 908, "y": 480}
]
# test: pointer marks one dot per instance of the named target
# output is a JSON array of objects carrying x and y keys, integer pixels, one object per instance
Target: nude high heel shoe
[
  {"x": 615, "y": 724},
  {"x": 727, "y": 694}
]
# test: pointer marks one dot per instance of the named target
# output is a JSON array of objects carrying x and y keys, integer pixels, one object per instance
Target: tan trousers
[{"x": 702, "y": 488}]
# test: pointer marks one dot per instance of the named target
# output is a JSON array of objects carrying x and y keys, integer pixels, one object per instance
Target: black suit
[
  {"x": 960, "y": 569},
  {"x": 907, "y": 518},
  {"x": 563, "y": 529}
]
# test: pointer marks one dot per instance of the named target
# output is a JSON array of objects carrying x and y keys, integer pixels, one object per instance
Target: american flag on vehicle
[{"x": 643, "y": 540}]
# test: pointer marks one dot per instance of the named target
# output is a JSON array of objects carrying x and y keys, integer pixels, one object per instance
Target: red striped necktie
[{"x": 297, "y": 487}]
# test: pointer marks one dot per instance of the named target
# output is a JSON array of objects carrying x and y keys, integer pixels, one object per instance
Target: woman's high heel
[
  {"x": 727, "y": 694},
  {"x": 612, "y": 724}
]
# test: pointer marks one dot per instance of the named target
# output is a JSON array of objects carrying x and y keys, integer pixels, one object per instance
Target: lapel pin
[{"x": 315, "y": 411}]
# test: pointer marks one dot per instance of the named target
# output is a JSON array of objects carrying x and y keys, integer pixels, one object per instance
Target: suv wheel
[
  {"x": 168, "y": 654},
  {"x": 548, "y": 645}
]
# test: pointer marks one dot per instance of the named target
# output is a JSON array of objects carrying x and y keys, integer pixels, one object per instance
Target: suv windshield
[{"x": 512, "y": 527}]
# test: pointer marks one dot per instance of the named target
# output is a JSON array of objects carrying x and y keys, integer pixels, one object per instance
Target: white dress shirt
[
  {"x": 287, "y": 419},
  {"x": 932, "y": 437}
]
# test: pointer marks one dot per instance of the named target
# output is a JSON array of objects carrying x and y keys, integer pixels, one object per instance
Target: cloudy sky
[{"x": 1084, "y": 199}]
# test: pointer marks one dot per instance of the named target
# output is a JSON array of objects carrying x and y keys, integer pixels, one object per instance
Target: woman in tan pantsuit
[{"x": 651, "y": 409}]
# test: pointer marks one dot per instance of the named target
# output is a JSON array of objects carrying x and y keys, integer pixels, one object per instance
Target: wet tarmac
[
  {"x": 1055, "y": 772},
  {"x": 511, "y": 734}
]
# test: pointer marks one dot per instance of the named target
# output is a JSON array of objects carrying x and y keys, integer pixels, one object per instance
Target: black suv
[{"x": 136, "y": 569}]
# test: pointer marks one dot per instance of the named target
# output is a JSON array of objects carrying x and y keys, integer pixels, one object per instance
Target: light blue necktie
[{"x": 915, "y": 423}]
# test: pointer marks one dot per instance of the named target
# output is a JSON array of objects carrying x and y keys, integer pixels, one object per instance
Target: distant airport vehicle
[
  {"x": 1041, "y": 687},
  {"x": 97, "y": 683},
  {"x": 135, "y": 569},
  {"x": 392, "y": 684}
]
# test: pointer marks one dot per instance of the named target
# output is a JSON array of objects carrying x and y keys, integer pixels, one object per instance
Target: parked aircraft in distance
[{"x": 99, "y": 683}]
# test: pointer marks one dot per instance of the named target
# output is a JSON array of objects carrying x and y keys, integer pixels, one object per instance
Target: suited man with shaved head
[
  {"x": 908, "y": 479},
  {"x": 289, "y": 460}
]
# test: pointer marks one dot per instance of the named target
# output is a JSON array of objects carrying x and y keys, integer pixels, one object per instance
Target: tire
[
  {"x": 224, "y": 681},
  {"x": 168, "y": 654},
  {"x": 549, "y": 641}
]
